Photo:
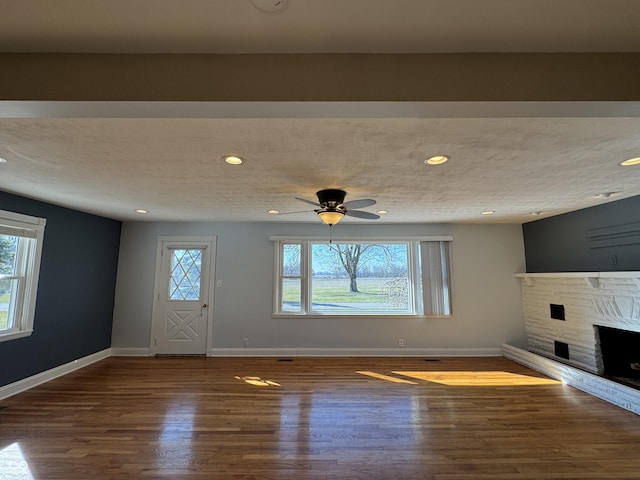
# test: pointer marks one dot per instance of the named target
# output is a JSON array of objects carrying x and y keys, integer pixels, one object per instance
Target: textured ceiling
[
  {"x": 173, "y": 166},
  {"x": 514, "y": 162}
]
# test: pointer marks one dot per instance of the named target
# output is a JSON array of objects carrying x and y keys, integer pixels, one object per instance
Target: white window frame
[
  {"x": 22, "y": 305},
  {"x": 425, "y": 288}
]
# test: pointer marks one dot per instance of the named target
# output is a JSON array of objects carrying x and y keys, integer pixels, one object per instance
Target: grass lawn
[
  {"x": 328, "y": 290},
  {"x": 4, "y": 298}
]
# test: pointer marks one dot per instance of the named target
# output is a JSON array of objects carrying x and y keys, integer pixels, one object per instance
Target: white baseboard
[
  {"x": 355, "y": 352},
  {"x": 131, "y": 352},
  {"x": 43, "y": 377}
]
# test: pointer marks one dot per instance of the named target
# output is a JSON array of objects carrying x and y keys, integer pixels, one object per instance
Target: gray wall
[
  {"x": 562, "y": 243},
  {"x": 74, "y": 307},
  {"x": 486, "y": 295}
]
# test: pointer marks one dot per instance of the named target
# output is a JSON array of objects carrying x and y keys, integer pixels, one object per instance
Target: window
[
  {"x": 364, "y": 277},
  {"x": 20, "y": 250}
]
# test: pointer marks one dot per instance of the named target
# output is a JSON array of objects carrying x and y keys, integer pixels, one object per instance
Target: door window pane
[{"x": 184, "y": 271}]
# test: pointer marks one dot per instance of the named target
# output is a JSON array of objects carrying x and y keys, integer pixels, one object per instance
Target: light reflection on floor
[{"x": 13, "y": 465}]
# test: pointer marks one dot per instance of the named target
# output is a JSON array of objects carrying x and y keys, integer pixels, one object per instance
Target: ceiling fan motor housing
[{"x": 331, "y": 198}]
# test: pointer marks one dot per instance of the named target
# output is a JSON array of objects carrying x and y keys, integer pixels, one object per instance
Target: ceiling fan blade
[
  {"x": 315, "y": 204},
  {"x": 362, "y": 203},
  {"x": 298, "y": 211},
  {"x": 361, "y": 214}
]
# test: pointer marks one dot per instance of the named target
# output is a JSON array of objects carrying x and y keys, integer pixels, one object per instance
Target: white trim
[
  {"x": 607, "y": 390},
  {"x": 131, "y": 352},
  {"x": 6, "y": 215},
  {"x": 404, "y": 239},
  {"x": 354, "y": 352},
  {"x": 43, "y": 377},
  {"x": 372, "y": 109}
]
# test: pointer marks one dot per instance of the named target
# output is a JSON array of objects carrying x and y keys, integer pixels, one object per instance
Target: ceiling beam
[{"x": 321, "y": 77}]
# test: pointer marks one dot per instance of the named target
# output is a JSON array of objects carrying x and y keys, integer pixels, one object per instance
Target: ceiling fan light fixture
[{"x": 330, "y": 217}]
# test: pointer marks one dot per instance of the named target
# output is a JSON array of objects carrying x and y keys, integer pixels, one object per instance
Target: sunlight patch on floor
[
  {"x": 479, "y": 379},
  {"x": 386, "y": 377},
  {"x": 13, "y": 465},
  {"x": 258, "y": 381}
]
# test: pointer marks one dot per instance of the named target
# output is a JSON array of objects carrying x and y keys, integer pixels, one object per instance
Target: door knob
[{"x": 204, "y": 305}]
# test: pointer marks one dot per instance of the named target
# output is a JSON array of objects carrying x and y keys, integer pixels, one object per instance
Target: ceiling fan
[{"x": 333, "y": 208}]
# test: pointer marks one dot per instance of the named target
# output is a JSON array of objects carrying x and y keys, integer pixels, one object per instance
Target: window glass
[
  {"x": 349, "y": 278},
  {"x": 8, "y": 281},
  {"x": 363, "y": 278}
]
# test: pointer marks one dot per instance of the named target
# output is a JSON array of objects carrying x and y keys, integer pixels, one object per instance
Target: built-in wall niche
[{"x": 620, "y": 353}]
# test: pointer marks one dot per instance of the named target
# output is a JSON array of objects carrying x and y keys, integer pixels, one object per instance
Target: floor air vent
[{"x": 285, "y": 359}]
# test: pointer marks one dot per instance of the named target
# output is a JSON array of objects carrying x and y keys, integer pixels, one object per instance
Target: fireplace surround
[{"x": 586, "y": 320}]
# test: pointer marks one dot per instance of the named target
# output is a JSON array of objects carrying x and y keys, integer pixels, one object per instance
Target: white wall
[{"x": 487, "y": 309}]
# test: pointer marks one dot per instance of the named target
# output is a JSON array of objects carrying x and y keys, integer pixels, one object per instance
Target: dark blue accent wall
[
  {"x": 74, "y": 306},
  {"x": 596, "y": 239}
]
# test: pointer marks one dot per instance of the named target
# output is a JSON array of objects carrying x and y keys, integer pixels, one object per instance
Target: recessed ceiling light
[
  {"x": 141, "y": 210},
  {"x": 631, "y": 161},
  {"x": 436, "y": 160},
  {"x": 233, "y": 159},
  {"x": 383, "y": 212},
  {"x": 273, "y": 212},
  {"x": 535, "y": 214},
  {"x": 3, "y": 160},
  {"x": 488, "y": 212}
]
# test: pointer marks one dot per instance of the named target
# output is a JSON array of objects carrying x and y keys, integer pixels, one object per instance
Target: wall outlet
[
  {"x": 401, "y": 342},
  {"x": 245, "y": 341}
]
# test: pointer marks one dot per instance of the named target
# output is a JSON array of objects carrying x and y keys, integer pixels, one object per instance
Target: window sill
[
  {"x": 13, "y": 334},
  {"x": 357, "y": 317}
]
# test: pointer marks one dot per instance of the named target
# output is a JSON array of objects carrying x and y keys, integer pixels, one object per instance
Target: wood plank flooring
[{"x": 313, "y": 418}]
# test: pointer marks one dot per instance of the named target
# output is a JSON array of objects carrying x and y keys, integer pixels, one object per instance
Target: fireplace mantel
[{"x": 592, "y": 278}]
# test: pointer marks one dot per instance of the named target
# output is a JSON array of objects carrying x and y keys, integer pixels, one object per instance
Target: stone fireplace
[{"x": 586, "y": 320}]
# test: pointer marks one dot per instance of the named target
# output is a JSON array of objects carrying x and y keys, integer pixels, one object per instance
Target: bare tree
[{"x": 354, "y": 256}]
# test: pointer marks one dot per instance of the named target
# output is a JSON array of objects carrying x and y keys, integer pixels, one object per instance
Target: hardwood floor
[{"x": 321, "y": 418}]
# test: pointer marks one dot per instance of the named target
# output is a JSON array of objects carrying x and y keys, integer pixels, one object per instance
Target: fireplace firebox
[{"x": 620, "y": 353}]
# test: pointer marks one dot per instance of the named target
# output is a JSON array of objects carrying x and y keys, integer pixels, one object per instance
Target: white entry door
[{"x": 182, "y": 318}]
